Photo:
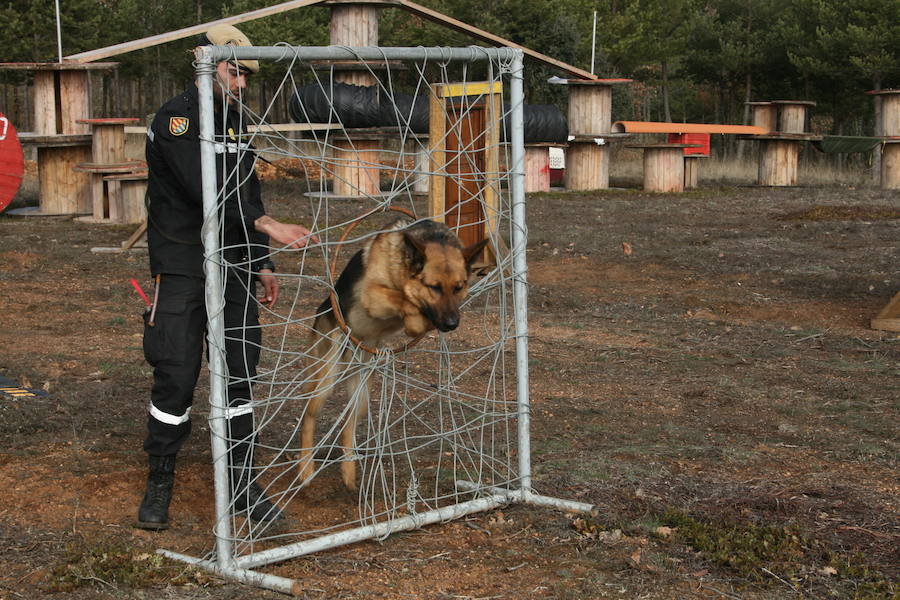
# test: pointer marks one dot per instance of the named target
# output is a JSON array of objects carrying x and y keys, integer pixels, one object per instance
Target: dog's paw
[{"x": 348, "y": 475}]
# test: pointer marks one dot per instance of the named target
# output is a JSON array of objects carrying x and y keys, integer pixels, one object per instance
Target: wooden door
[{"x": 465, "y": 167}]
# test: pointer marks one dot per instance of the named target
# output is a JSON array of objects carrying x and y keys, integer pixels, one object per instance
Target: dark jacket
[{"x": 175, "y": 210}]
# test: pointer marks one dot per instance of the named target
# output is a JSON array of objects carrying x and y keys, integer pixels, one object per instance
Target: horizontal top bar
[{"x": 371, "y": 53}]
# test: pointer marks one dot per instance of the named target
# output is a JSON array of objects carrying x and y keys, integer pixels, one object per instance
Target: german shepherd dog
[{"x": 411, "y": 277}]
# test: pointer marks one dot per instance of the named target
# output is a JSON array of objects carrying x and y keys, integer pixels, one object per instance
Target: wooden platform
[{"x": 54, "y": 141}]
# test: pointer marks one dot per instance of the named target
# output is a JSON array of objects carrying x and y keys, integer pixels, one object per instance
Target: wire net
[{"x": 440, "y": 411}]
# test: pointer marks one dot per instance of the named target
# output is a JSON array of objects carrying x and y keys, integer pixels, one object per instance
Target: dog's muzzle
[{"x": 448, "y": 324}]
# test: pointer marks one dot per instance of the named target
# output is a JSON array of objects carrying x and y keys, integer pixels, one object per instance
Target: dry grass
[{"x": 626, "y": 170}]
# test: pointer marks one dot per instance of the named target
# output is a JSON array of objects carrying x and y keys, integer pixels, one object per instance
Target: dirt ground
[{"x": 702, "y": 371}]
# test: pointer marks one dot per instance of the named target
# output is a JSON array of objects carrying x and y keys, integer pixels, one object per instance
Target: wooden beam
[
  {"x": 441, "y": 19},
  {"x": 427, "y": 13},
  {"x": 162, "y": 38}
]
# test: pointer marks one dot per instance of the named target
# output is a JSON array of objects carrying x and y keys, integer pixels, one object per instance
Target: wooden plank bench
[
  {"x": 127, "y": 193},
  {"x": 106, "y": 203}
]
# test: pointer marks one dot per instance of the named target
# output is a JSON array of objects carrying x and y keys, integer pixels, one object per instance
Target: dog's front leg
[
  {"x": 414, "y": 322},
  {"x": 326, "y": 355},
  {"x": 358, "y": 384}
]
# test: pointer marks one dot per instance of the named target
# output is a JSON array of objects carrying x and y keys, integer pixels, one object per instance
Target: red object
[
  {"x": 12, "y": 162},
  {"x": 137, "y": 288},
  {"x": 692, "y": 138}
]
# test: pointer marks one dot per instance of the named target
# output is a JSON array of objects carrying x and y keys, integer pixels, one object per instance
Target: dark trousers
[{"x": 174, "y": 347}]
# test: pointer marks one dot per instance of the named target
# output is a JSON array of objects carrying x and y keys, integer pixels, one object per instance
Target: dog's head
[{"x": 440, "y": 269}]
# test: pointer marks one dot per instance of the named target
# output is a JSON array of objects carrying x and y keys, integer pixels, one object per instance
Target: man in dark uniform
[{"x": 175, "y": 327}]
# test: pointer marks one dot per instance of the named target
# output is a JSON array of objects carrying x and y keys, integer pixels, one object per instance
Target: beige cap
[{"x": 229, "y": 35}]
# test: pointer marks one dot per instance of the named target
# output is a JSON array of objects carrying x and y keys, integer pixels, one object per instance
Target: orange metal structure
[{"x": 658, "y": 127}]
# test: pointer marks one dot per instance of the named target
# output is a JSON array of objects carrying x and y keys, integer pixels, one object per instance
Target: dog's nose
[{"x": 450, "y": 323}]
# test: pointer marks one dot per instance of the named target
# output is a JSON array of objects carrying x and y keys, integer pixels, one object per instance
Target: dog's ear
[
  {"x": 416, "y": 252},
  {"x": 470, "y": 253}
]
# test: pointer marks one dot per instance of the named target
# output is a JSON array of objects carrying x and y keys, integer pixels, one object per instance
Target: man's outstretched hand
[{"x": 285, "y": 234}]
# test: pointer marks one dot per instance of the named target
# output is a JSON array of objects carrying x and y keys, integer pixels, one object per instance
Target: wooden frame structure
[
  {"x": 889, "y": 317},
  {"x": 669, "y": 167},
  {"x": 355, "y": 23},
  {"x": 779, "y": 152},
  {"x": 62, "y": 100},
  {"x": 464, "y": 150},
  {"x": 889, "y": 129},
  {"x": 117, "y": 184},
  {"x": 590, "y": 132}
]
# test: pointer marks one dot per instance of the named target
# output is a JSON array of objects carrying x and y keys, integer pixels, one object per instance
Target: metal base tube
[
  {"x": 528, "y": 497},
  {"x": 367, "y": 532},
  {"x": 269, "y": 582}
]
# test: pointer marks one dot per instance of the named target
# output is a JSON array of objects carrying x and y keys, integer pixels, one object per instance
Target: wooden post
[
  {"x": 537, "y": 167},
  {"x": 691, "y": 171},
  {"x": 421, "y": 183},
  {"x": 890, "y": 112},
  {"x": 663, "y": 166},
  {"x": 354, "y": 24},
  {"x": 587, "y": 166},
  {"x": 890, "y": 128},
  {"x": 890, "y": 165},
  {"x": 75, "y": 100},
  {"x": 590, "y": 118},
  {"x": 764, "y": 115},
  {"x": 45, "y": 103},
  {"x": 357, "y": 170},
  {"x": 793, "y": 115},
  {"x": 888, "y": 319},
  {"x": 778, "y": 160}
]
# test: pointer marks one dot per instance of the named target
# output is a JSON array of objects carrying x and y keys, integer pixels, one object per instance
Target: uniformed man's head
[{"x": 231, "y": 76}]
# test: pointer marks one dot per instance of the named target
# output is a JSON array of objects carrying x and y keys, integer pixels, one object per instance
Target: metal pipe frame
[
  {"x": 215, "y": 305},
  {"x": 519, "y": 237},
  {"x": 240, "y": 568},
  {"x": 308, "y": 53}
]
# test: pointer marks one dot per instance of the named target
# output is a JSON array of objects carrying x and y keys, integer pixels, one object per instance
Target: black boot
[
  {"x": 154, "y": 510},
  {"x": 248, "y": 496}
]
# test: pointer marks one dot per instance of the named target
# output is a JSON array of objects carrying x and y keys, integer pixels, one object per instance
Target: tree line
[{"x": 691, "y": 60}]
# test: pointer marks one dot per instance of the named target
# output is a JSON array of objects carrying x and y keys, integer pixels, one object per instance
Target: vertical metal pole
[
  {"x": 520, "y": 269},
  {"x": 58, "y": 33},
  {"x": 215, "y": 304},
  {"x": 594, "y": 43}
]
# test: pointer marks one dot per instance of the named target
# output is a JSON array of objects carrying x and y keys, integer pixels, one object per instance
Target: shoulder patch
[{"x": 178, "y": 125}]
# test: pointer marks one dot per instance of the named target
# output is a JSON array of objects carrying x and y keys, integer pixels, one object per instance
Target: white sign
[{"x": 557, "y": 158}]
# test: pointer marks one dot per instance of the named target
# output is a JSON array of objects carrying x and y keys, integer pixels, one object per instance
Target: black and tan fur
[{"x": 411, "y": 277}]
